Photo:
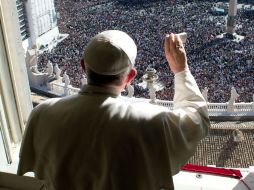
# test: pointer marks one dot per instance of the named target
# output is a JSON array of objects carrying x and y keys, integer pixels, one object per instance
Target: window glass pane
[
  {"x": 9, "y": 107},
  {"x": 5, "y": 151}
]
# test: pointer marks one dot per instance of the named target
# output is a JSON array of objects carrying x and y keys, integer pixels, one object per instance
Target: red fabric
[{"x": 213, "y": 170}]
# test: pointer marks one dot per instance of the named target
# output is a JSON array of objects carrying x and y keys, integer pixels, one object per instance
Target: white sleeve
[{"x": 188, "y": 123}]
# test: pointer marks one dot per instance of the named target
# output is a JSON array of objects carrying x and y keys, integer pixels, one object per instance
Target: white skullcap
[{"x": 110, "y": 52}]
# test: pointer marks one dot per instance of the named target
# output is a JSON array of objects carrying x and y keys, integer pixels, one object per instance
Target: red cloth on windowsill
[{"x": 213, "y": 170}]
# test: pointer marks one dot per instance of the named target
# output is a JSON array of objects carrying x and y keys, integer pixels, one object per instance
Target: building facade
[
  {"x": 38, "y": 22},
  {"x": 22, "y": 17}
]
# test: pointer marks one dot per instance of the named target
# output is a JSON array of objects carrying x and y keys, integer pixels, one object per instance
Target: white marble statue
[
  {"x": 57, "y": 71},
  {"x": 204, "y": 93},
  {"x": 84, "y": 80},
  {"x": 50, "y": 68},
  {"x": 66, "y": 79},
  {"x": 130, "y": 90},
  {"x": 233, "y": 96},
  {"x": 36, "y": 78}
]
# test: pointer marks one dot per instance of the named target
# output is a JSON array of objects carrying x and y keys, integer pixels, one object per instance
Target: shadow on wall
[{"x": 246, "y": 183}]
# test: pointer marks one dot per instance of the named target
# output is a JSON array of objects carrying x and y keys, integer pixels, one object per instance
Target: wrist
[{"x": 181, "y": 70}]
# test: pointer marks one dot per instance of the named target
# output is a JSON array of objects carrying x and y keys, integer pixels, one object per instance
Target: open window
[{"x": 15, "y": 98}]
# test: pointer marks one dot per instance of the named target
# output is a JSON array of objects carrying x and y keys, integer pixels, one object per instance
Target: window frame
[{"x": 14, "y": 84}]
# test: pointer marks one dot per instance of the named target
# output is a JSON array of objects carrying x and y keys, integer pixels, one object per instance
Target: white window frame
[{"x": 14, "y": 85}]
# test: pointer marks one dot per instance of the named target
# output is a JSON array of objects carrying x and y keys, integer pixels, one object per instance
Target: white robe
[{"x": 96, "y": 141}]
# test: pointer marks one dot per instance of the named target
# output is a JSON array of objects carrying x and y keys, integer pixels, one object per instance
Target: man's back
[{"x": 96, "y": 141}]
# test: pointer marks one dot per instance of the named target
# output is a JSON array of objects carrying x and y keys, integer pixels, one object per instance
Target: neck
[{"x": 116, "y": 88}]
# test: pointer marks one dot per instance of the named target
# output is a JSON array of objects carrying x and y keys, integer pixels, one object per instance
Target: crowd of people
[{"x": 216, "y": 63}]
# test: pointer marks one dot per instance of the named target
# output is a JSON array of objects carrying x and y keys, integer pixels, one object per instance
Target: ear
[
  {"x": 132, "y": 74},
  {"x": 82, "y": 63}
]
